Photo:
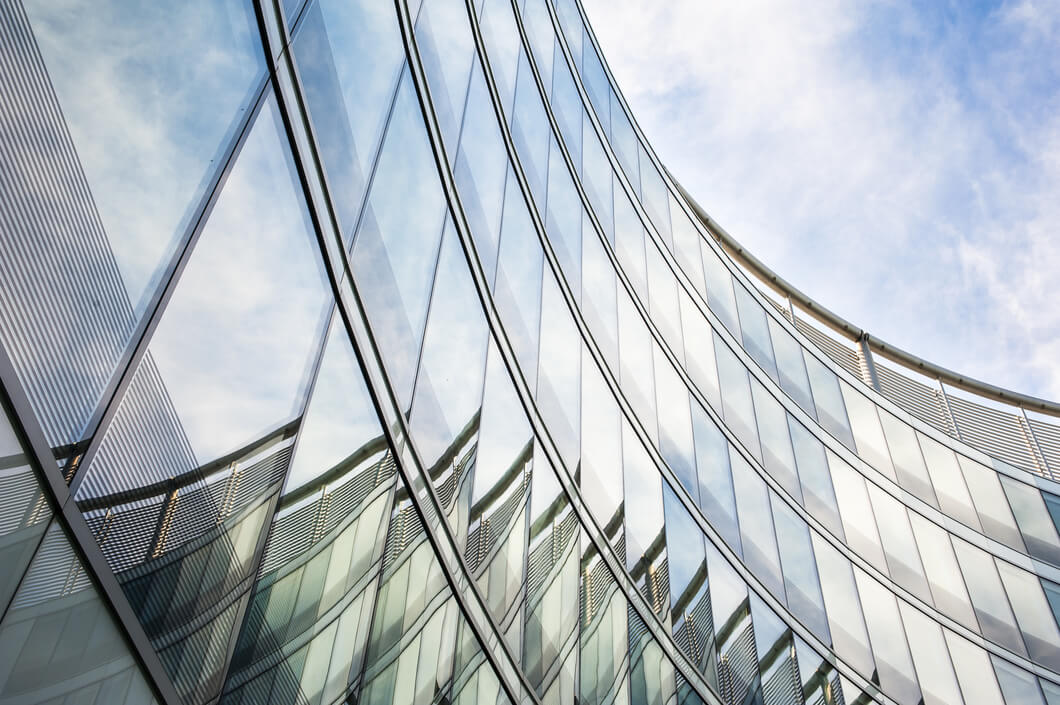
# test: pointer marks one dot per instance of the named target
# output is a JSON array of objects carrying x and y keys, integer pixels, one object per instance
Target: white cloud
[{"x": 901, "y": 166}]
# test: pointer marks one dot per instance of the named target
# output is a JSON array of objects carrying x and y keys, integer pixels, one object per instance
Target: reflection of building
[{"x": 429, "y": 384}]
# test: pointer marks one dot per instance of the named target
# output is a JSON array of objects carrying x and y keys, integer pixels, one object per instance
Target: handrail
[{"x": 844, "y": 327}]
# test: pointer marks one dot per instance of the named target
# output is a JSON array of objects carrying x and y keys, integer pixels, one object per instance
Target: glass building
[{"x": 364, "y": 352}]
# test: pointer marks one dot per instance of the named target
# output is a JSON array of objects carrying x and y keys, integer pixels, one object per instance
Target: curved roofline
[{"x": 849, "y": 330}]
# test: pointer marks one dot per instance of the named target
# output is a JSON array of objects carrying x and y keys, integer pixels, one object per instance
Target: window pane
[
  {"x": 872, "y": 447},
  {"x": 715, "y": 477},
  {"x": 447, "y": 50},
  {"x": 452, "y": 365},
  {"x": 908, "y": 462},
  {"x": 776, "y": 444},
  {"x": 517, "y": 291},
  {"x": 675, "y": 423},
  {"x": 948, "y": 481},
  {"x": 755, "y": 331},
  {"x": 1039, "y": 532},
  {"x": 800, "y": 571},
  {"x": 816, "y": 479},
  {"x": 846, "y": 623},
  {"x": 893, "y": 663},
  {"x": 349, "y": 56},
  {"x": 396, "y": 247},
  {"x": 736, "y": 396},
  {"x": 559, "y": 371},
  {"x": 480, "y": 172},
  {"x": 988, "y": 597},
  {"x": 991, "y": 504},
  {"x": 943, "y": 573},
  {"x": 756, "y": 526},
  {"x": 903, "y": 559},
  {"x": 828, "y": 400}
]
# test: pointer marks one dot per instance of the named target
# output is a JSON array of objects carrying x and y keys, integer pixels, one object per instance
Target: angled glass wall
[{"x": 365, "y": 352}]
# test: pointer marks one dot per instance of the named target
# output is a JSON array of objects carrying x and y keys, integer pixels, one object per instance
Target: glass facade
[{"x": 365, "y": 352}]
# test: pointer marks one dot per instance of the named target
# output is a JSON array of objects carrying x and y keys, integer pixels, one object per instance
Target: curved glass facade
[{"x": 365, "y": 352}]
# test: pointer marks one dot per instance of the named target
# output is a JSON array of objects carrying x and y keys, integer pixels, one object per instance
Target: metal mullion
[{"x": 133, "y": 352}]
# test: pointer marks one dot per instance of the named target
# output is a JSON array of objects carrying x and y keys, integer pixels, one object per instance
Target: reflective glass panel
[{"x": 396, "y": 248}]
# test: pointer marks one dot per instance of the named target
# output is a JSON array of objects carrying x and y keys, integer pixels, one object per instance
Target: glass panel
[
  {"x": 558, "y": 386},
  {"x": 624, "y": 142},
  {"x": 755, "y": 331},
  {"x": 686, "y": 246},
  {"x": 637, "y": 373},
  {"x": 230, "y": 357},
  {"x": 567, "y": 107},
  {"x": 58, "y": 641},
  {"x": 845, "y": 620},
  {"x": 859, "y": 522},
  {"x": 872, "y": 447},
  {"x": 943, "y": 573},
  {"x": 552, "y": 578},
  {"x": 500, "y": 35},
  {"x": 675, "y": 424},
  {"x": 596, "y": 84},
  {"x": 800, "y": 570},
  {"x": 893, "y": 663},
  {"x": 517, "y": 291},
  {"x": 719, "y": 283},
  {"x": 1035, "y": 524},
  {"x": 828, "y": 400},
  {"x": 699, "y": 351},
  {"x": 903, "y": 559},
  {"x": 596, "y": 179},
  {"x": 662, "y": 290},
  {"x": 776, "y": 444},
  {"x": 564, "y": 221},
  {"x": 120, "y": 126},
  {"x": 948, "y": 481},
  {"x": 654, "y": 196},
  {"x": 645, "y": 538},
  {"x": 1033, "y": 614},
  {"x": 908, "y": 462},
  {"x": 340, "y": 420},
  {"x": 973, "y": 671},
  {"x": 736, "y": 396},
  {"x": 349, "y": 56},
  {"x": 601, "y": 460},
  {"x": 447, "y": 50},
  {"x": 756, "y": 526},
  {"x": 817, "y": 492},
  {"x": 729, "y": 601},
  {"x": 990, "y": 503},
  {"x": 396, "y": 248},
  {"x": 791, "y": 367},
  {"x": 480, "y": 172},
  {"x": 531, "y": 133},
  {"x": 24, "y": 513},
  {"x": 1019, "y": 687},
  {"x": 931, "y": 657},
  {"x": 599, "y": 303},
  {"x": 445, "y": 405},
  {"x": 539, "y": 32},
  {"x": 629, "y": 244},
  {"x": 715, "y": 478},
  {"x": 988, "y": 597}
]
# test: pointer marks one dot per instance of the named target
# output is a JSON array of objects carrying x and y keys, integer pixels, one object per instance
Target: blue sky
[{"x": 899, "y": 162}]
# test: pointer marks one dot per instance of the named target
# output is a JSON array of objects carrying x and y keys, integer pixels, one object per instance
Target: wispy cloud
[{"x": 900, "y": 164}]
